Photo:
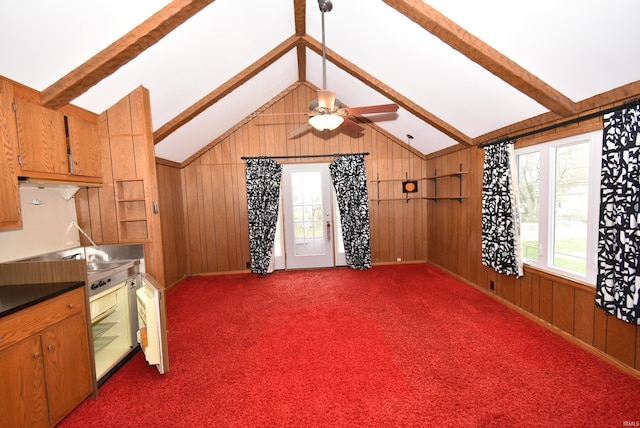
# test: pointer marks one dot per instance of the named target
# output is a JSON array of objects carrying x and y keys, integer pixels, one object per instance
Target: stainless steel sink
[
  {"x": 101, "y": 266},
  {"x": 98, "y": 270}
]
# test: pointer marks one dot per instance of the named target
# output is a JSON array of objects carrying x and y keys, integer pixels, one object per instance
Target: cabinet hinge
[{"x": 19, "y": 160}]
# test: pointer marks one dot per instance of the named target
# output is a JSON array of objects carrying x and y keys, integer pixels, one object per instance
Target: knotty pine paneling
[
  {"x": 214, "y": 192},
  {"x": 454, "y": 243},
  {"x": 508, "y": 288},
  {"x": 621, "y": 340},
  {"x": 172, "y": 221},
  {"x": 525, "y": 292},
  {"x": 584, "y": 315},
  {"x": 535, "y": 295},
  {"x": 563, "y": 307}
]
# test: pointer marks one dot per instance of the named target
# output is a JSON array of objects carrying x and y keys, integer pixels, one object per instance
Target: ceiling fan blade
[
  {"x": 284, "y": 114},
  {"x": 351, "y": 126},
  {"x": 299, "y": 131},
  {"x": 382, "y": 108},
  {"x": 326, "y": 99}
]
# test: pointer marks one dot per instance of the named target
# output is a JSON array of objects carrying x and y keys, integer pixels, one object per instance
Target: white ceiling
[{"x": 579, "y": 47}]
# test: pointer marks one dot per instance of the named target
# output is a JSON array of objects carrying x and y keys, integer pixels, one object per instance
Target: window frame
[{"x": 547, "y": 203}]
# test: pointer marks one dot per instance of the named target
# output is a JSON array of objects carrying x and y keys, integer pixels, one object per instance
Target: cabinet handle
[
  {"x": 36, "y": 355},
  {"x": 71, "y": 306},
  {"x": 51, "y": 347}
]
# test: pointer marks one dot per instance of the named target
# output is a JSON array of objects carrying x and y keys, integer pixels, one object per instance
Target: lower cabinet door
[
  {"x": 23, "y": 398},
  {"x": 67, "y": 366}
]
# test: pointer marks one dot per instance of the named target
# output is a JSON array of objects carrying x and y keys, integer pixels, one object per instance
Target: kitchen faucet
[{"x": 74, "y": 256}]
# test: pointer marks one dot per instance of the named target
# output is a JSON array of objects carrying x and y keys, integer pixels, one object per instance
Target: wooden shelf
[
  {"x": 435, "y": 177},
  {"x": 387, "y": 180},
  {"x": 453, "y": 174},
  {"x": 131, "y": 208},
  {"x": 394, "y": 199},
  {"x": 447, "y": 198}
]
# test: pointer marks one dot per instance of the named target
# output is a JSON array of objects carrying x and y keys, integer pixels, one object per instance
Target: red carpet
[{"x": 390, "y": 346}]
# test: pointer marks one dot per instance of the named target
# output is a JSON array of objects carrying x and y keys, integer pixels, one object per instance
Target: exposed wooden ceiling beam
[
  {"x": 587, "y": 106},
  {"x": 120, "y": 52},
  {"x": 225, "y": 89},
  {"x": 300, "y": 14},
  {"x": 484, "y": 55},
  {"x": 302, "y": 63},
  {"x": 388, "y": 92}
]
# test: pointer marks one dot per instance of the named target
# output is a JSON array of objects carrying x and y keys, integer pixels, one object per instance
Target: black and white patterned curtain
[
  {"x": 500, "y": 216},
  {"x": 350, "y": 181},
  {"x": 617, "y": 285},
  {"x": 263, "y": 194}
]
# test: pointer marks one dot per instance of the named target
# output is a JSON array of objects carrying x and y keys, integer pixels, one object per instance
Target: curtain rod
[
  {"x": 304, "y": 156},
  {"x": 626, "y": 104}
]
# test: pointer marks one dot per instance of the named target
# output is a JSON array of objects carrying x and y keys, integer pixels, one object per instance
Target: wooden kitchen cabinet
[
  {"x": 41, "y": 139},
  {"x": 84, "y": 144},
  {"x": 22, "y": 371},
  {"x": 10, "y": 214},
  {"x": 45, "y": 364},
  {"x": 56, "y": 146}
]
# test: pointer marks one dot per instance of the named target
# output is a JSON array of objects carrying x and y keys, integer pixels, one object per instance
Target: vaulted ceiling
[{"x": 462, "y": 71}]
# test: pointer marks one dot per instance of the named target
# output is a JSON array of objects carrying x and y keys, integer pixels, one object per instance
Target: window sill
[{"x": 558, "y": 277}]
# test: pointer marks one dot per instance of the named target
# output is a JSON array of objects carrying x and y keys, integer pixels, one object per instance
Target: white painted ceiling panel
[
  {"x": 43, "y": 40},
  {"x": 580, "y": 47},
  {"x": 217, "y": 119},
  {"x": 195, "y": 59}
]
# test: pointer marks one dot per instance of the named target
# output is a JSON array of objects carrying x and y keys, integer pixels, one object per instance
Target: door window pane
[
  {"x": 306, "y": 193},
  {"x": 571, "y": 206},
  {"x": 529, "y": 193}
]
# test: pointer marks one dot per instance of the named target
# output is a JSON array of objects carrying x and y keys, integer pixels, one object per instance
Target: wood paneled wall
[
  {"x": 213, "y": 191},
  {"x": 566, "y": 306},
  {"x": 170, "y": 201},
  {"x": 126, "y": 141}
]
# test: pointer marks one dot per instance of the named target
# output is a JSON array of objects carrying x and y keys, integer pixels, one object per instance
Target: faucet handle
[{"x": 75, "y": 256}]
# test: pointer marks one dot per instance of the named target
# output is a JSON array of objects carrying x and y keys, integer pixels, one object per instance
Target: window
[{"x": 559, "y": 190}]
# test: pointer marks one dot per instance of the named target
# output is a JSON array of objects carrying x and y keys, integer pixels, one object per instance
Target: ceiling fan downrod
[{"x": 325, "y": 6}]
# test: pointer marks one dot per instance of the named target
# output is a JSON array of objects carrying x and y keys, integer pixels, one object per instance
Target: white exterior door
[{"x": 308, "y": 219}]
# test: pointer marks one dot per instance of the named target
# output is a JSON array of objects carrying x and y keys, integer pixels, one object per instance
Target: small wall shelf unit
[
  {"x": 435, "y": 177},
  {"x": 406, "y": 198},
  {"x": 131, "y": 210}
]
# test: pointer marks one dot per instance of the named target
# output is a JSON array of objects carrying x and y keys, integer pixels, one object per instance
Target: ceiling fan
[{"x": 327, "y": 113}]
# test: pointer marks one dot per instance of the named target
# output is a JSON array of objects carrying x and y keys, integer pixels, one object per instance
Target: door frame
[{"x": 280, "y": 243}]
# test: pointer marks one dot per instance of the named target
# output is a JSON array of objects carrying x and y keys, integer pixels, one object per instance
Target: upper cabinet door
[
  {"x": 10, "y": 215},
  {"x": 85, "y": 147},
  {"x": 41, "y": 138}
]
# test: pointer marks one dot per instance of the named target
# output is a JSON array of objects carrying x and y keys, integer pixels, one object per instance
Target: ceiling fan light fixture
[{"x": 327, "y": 122}]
